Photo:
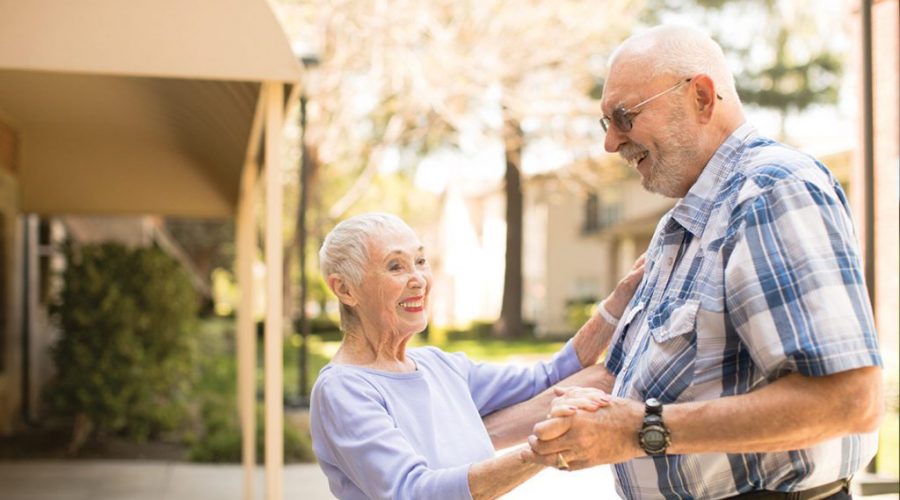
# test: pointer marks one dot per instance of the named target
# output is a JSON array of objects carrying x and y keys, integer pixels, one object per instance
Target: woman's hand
[
  {"x": 618, "y": 300},
  {"x": 571, "y": 399}
]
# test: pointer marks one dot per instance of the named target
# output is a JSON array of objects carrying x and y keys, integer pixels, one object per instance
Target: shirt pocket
[
  {"x": 669, "y": 363},
  {"x": 674, "y": 319}
]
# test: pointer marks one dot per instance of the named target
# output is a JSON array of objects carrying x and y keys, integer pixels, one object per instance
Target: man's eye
[{"x": 421, "y": 261}]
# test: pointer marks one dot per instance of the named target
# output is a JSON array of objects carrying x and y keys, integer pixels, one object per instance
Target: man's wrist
[
  {"x": 636, "y": 420},
  {"x": 654, "y": 435}
]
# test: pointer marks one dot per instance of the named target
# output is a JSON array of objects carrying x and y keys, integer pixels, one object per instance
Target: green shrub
[
  {"x": 484, "y": 330},
  {"x": 578, "y": 311},
  {"x": 223, "y": 443},
  {"x": 124, "y": 358},
  {"x": 319, "y": 324}
]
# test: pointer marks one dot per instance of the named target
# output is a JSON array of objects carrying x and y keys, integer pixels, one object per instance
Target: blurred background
[{"x": 128, "y": 135}]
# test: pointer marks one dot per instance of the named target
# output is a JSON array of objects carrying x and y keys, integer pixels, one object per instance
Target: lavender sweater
[{"x": 414, "y": 435}]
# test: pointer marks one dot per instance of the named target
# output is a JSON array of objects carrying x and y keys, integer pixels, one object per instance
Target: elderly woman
[{"x": 388, "y": 422}]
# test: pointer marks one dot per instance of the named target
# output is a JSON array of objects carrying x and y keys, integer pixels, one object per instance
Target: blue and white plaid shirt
[{"x": 754, "y": 274}]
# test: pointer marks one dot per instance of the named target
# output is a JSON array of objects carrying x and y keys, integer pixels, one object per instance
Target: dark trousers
[{"x": 814, "y": 493}]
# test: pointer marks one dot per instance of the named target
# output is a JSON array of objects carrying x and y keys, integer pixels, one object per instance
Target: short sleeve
[
  {"x": 354, "y": 434},
  {"x": 793, "y": 283}
]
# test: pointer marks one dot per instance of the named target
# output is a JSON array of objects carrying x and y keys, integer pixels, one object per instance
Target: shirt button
[{"x": 671, "y": 261}]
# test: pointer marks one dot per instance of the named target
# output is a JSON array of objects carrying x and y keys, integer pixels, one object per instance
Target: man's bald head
[{"x": 679, "y": 51}]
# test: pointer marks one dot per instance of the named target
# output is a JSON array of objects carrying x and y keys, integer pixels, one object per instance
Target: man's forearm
[
  {"x": 513, "y": 424},
  {"x": 793, "y": 412}
]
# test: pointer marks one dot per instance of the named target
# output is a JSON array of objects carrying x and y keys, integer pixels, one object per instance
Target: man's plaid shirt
[{"x": 754, "y": 274}]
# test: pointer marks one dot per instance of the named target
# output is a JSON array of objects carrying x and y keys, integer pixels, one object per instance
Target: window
[{"x": 600, "y": 212}]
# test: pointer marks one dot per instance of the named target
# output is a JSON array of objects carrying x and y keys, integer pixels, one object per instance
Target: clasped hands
[{"x": 584, "y": 428}]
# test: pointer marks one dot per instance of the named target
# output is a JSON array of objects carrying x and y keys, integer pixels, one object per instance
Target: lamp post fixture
[{"x": 309, "y": 63}]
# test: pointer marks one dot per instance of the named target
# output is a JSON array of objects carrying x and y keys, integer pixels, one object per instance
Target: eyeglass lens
[{"x": 621, "y": 117}]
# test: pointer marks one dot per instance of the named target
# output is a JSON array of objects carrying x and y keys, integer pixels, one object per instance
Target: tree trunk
[{"x": 510, "y": 323}]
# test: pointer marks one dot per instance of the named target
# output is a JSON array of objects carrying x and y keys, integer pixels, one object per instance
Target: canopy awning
[
  {"x": 165, "y": 107},
  {"x": 143, "y": 106}
]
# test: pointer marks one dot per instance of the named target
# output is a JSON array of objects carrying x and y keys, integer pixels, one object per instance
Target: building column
[
  {"x": 246, "y": 330},
  {"x": 274, "y": 343}
]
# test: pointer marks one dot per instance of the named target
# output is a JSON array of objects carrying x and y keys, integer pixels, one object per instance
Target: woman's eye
[
  {"x": 394, "y": 266},
  {"x": 421, "y": 261}
]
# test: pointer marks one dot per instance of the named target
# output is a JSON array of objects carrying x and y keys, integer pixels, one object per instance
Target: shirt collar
[{"x": 692, "y": 211}]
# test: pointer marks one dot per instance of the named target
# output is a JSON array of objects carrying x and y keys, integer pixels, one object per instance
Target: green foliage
[
  {"x": 790, "y": 85},
  {"x": 124, "y": 360},
  {"x": 578, "y": 311},
  {"x": 318, "y": 324},
  {"x": 787, "y": 65},
  {"x": 218, "y": 434},
  {"x": 501, "y": 350},
  {"x": 223, "y": 442},
  {"x": 209, "y": 243},
  {"x": 484, "y": 330}
]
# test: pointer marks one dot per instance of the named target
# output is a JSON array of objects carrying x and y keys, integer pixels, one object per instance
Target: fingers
[
  {"x": 528, "y": 455},
  {"x": 583, "y": 398},
  {"x": 639, "y": 263},
  {"x": 552, "y": 428},
  {"x": 568, "y": 405},
  {"x": 562, "y": 411}
]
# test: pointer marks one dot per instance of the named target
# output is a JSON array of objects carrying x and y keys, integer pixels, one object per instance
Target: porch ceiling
[{"x": 145, "y": 106}]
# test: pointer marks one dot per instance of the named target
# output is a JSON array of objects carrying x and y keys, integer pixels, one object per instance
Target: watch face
[{"x": 654, "y": 438}]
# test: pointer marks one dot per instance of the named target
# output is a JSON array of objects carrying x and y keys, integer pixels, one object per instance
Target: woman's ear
[{"x": 341, "y": 289}]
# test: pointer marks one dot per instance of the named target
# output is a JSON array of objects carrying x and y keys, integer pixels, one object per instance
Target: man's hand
[{"x": 586, "y": 439}]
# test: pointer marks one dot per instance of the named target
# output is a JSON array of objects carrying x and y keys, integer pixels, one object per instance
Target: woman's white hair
[
  {"x": 679, "y": 50},
  {"x": 345, "y": 250}
]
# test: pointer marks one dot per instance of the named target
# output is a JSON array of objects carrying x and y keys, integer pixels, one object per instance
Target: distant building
[{"x": 582, "y": 233}]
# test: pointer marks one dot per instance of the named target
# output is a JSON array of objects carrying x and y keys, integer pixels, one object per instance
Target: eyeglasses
[{"x": 623, "y": 118}]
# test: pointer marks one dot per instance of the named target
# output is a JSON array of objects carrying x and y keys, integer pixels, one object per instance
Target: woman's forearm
[
  {"x": 592, "y": 339},
  {"x": 498, "y": 476},
  {"x": 513, "y": 424},
  {"x": 594, "y": 336}
]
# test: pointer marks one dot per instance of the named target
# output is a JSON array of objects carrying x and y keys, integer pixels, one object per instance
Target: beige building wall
[{"x": 577, "y": 265}]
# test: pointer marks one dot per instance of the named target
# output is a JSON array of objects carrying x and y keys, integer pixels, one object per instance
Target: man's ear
[
  {"x": 341, "y": 289},
  {"x": 705, "y": 97}
]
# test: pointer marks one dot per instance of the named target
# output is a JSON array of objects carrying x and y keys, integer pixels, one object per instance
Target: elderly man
[{"x": 746, "y": 364}]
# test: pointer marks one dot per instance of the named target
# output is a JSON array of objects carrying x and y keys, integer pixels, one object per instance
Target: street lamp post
[{"x": 309, "y": 62}]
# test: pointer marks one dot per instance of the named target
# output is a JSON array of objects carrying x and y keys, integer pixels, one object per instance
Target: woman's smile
[{"x": 413, "y": 304}]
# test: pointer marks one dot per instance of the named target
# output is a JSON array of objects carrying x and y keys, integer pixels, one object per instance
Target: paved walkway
[
  {"x": 146, "y": 480},
  {"x": 154, "y": 480}
]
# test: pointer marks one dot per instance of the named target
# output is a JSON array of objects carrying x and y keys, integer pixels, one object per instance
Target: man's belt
[{"x": 817, "y": 493}]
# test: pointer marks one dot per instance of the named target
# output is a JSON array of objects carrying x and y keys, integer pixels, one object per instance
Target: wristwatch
[{"x": 654, "y": 435}]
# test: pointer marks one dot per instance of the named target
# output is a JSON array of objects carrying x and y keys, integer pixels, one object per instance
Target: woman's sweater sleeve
[{"x": 494, "y": 386}]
